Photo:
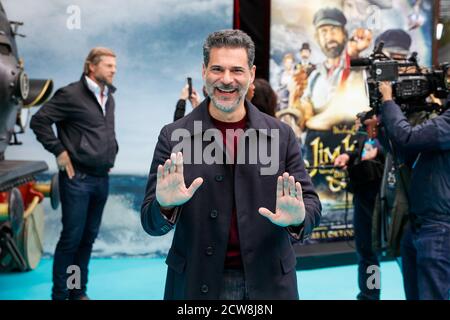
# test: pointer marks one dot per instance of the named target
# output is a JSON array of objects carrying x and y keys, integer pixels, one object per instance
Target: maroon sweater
[{"x": 233, "y": 257}]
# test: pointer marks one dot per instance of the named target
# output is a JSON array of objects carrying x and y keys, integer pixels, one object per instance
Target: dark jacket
[
  {"x": 196, "y": 258},
  {"x": 364, "y": 174},
  {"x": 430, "y": 181},
  {"x": 83, "y": 131}
]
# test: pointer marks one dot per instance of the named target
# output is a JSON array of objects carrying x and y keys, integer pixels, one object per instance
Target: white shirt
[{"x": 96, "y": 90}]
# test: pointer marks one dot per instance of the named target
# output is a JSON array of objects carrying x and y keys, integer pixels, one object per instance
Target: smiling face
[{"x": 227, "y": 78}]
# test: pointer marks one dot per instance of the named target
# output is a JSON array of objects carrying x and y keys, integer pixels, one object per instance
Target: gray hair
[{"x": 229, "y": 39}]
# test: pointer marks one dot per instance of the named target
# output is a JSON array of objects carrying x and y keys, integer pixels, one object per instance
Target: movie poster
[{"x": 319, "y": 95}]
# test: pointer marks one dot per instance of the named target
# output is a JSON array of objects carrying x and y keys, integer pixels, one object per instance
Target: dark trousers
[
  {"x": 364, "y": 202},
  {"x": 233, "y": 285},
  {"x": 82, "y": 200},
  {"x": 425, "y": 251}
]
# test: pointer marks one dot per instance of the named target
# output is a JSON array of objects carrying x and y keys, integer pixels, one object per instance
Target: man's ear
[
  {"x": 203, "y": 71},
  {"x": 90, "y": 68},
  {"x": 253, "y": 73}
]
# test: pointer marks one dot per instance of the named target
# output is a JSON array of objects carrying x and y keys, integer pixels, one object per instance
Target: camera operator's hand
[
  {"x": 342, "y": 160},
  {"x": 385, "y": 88}
]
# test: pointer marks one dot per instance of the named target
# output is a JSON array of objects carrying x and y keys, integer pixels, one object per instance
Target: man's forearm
[
  {"x": 154, "y": 221},
  {"x": 180, "y": 110},
  {"x": 304, "y": 230},
  {"x": 420, "y": 138}
]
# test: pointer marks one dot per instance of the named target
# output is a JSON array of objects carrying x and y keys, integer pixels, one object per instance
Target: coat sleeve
[
  {"x": 431, "y": 135},
  {"x": 180, "y": 110},
  {"x": 313, "y": 208},
  {"x": 57, "y": 109},
  {"x": 153, "y": 220}
]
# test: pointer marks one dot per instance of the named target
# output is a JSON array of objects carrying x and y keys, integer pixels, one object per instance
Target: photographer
[
  {"x": 425, "y": 244},
  {"x": 180, "y": 108},
  {"x": 365, "y": 168}
]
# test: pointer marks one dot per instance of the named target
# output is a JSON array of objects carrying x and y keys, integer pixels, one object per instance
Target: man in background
[
  {"x": 85, "y": 148},
  {"x": 365, "y": 170}
]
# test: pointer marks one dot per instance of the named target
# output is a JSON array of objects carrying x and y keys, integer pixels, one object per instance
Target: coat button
[
  {"x": 204, "y": 288},
  {"x": 209, "y": 251},
  {"x": 219, "y": 178},
  {"x": 214, "y": 213}
]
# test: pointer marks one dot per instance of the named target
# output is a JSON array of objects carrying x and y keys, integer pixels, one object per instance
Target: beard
[
  {"x": 103, "y": 80},
  {"x": 241, "y": 90},
  {"x": 333, "y": 52}
]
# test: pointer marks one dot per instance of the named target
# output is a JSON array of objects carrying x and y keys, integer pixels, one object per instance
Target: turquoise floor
[{"x": 139, "y": 278}]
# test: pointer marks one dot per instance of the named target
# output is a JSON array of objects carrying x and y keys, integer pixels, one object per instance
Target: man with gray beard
[{"x": 234, "y": 224}]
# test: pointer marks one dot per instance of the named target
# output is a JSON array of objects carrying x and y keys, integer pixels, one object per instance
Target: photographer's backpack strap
[
  {"x": 400, "y": 210},
  {"x": 383, "y": 206},
  {"x": 392, "y": 208}
]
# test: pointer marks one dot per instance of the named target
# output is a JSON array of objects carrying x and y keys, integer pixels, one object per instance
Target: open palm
[
  {"x": 171, "y": 190},
  {"x": 290, "y": 209}
]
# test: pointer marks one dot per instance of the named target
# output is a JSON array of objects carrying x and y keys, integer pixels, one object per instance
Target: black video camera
[{"x": 411, "y": 83}]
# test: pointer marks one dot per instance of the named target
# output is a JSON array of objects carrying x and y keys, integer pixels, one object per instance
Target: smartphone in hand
[{"x": 189, "y": 81}]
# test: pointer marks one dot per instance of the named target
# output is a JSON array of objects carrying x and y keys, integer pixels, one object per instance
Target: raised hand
[
  {"x": 359, "y": 41},
  {"x": 297, "y": 85},
  {"x": 194, "y": 99},
  {"x": 171, "y": 190},
  {"x": 290, "y": 209},
  {"x": 184, "y": 95}
]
